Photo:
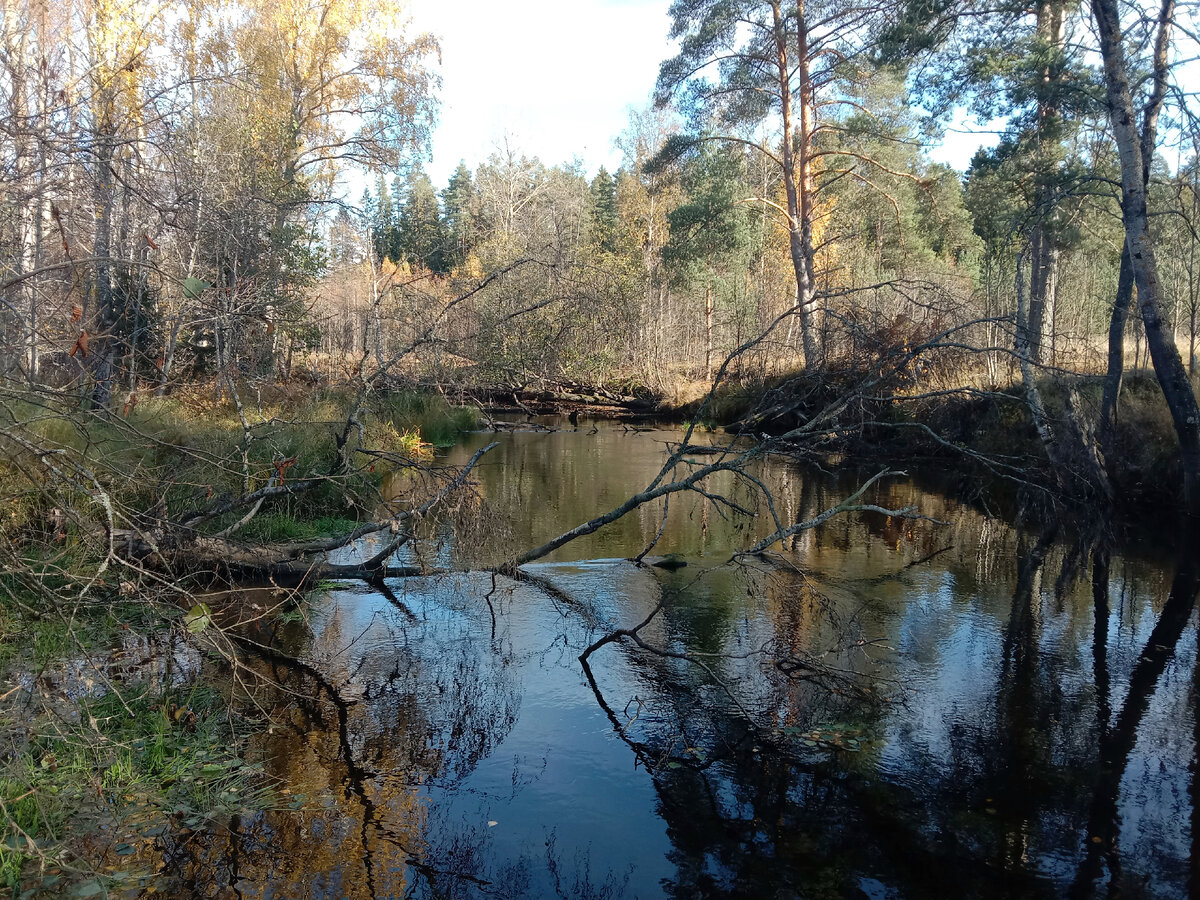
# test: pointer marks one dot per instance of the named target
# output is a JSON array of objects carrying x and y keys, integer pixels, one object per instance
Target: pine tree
[
  {"x": 604, "y": 216},
  {"x": 458, "y": 220},
  {"x": 383, "y": 223},
  {"x": 397, "y": 249},
  {"x": 709, "y": 239},
  {"x": 420, "y": 224}
]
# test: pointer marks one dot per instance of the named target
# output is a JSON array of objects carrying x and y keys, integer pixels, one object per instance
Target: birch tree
[{"x": 1135, "y": 145}]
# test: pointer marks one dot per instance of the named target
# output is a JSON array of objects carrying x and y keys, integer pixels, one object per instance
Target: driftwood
[
  {"x": 554, "y": 398},
  {"x": 176, "y": 547}
]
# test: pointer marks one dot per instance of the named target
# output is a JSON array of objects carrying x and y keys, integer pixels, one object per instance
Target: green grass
[
  {"x": 282, "y": 528},
  {"x": 429, "y": 415},
  {"x": 51, "y": 640},
  {"x": 185, "y": 452},
  {"x": 129, "y": 768}
]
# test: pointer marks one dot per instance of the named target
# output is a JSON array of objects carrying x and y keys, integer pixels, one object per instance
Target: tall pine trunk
[{"x": 797, "y": 177}]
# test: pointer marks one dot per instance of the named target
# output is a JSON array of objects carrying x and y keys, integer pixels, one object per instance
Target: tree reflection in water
[
  {"x": 920, "y": 711},
  {"x": 1027, "y": 785}
]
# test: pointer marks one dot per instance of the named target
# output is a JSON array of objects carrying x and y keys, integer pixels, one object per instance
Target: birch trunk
[
  {"x": 1044, "y": 253},
  {"x": 1131, "y": 149},
  {"x": 104, "y": 316}
]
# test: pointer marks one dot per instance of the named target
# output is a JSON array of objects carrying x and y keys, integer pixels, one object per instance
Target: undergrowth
[
  {"x": 87, "y": 788},
  {"x": 1145, "y": 470},
  {"x": 95, "y": 764},
  {"x": 176, "y": 454}
]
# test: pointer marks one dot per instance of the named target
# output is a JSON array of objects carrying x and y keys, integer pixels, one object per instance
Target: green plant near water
[
  {"x": 279, "y": 527},
  {"x": 429, "y": 415},
  {"x": 132, "y": 766},
  {"x": 86, "y": 786}
]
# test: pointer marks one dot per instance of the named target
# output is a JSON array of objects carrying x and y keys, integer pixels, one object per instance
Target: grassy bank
[
  {"x": 100, "y": 760},
  {"x": 102, "y": 756},
  {"x": 175, "y": 453}
]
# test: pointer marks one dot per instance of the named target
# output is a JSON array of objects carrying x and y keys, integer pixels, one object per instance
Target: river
[{"x": 950, "y": 706}]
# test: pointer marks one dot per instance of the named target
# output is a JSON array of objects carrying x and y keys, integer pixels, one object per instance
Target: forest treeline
[
  {"x": 235, "y": 314},
  {"x": 173, "y": 208}
]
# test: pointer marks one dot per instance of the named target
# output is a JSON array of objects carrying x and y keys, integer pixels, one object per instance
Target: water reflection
[
  {"x": 913, "y": 710},
  {"x": 157, "y": 660}
]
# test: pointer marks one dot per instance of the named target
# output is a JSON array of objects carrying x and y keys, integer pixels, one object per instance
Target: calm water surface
[{"x": 892, "y": 709}]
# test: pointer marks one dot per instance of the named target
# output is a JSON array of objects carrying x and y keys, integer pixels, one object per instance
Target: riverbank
[
  {"x": 126, "y": 710},
  {"x": 449, "y": 725},
  {"x": 983, "y": 441},
  {"x": 178, "y": 747}
]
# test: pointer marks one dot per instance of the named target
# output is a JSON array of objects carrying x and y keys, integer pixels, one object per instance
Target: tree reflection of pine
[
  {"x": 776, "y": 764},
  {"x": 725, "y": 783}
]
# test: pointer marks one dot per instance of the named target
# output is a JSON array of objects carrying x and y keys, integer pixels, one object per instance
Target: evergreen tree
[
  {"x": 458, "y": 220},
  {"x": 902, "y": 217},
  {"x": 397, "y": 249},
  {"x": 710, "y": 238},
  {"x": 710, "y": 225},
  {"x": 382, "y": 218},
  {"x": 604, "y": 216},
  {"x": 422, "y": 240},
  {"x": 369, "y": 212},
  {"x": 749, "y": 62},
  {"x": 1020, "y": 64}
]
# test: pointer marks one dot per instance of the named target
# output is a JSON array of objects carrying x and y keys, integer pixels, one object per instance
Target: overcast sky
[{"x": 558, "y": 76}]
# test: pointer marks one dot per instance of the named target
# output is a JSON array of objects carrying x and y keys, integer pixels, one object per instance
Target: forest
[
  {"x": 176, "y": 211},
  {"x": 245, "y": 341}
]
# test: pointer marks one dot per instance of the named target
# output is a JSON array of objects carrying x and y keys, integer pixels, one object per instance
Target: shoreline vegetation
[
  {"x": 217, "y": 372},
  {"x": 129, "y": 709},
  {"x": 985, "y": 437},
  {"x": 170, "y": 746}
]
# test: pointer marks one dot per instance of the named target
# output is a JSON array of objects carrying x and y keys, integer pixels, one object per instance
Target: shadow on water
[{"x": 898, "y": 709}]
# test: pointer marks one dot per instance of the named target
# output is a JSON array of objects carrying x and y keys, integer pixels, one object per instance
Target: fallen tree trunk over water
[{"x": 555, "y": 397}]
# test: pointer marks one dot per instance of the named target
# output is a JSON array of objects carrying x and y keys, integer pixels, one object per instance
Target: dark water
[{"x": 903, "y": 709}]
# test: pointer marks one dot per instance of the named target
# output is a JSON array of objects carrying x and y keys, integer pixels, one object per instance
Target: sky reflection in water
[{"x": 1022, "y": 721}]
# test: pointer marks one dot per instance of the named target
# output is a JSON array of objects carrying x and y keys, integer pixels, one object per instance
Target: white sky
[
  {"x": 964, "y": 135},
  {"x": 557, "y": 77}
]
